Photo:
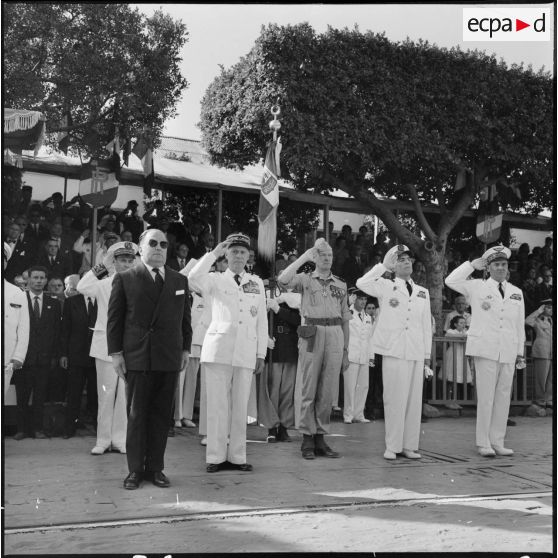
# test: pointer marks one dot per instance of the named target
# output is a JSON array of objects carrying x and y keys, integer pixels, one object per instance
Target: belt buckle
[
  {"x": 327, "y": 322},
  {"x": 279, "y": 329}
]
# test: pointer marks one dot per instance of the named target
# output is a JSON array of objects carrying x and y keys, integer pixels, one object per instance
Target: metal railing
[{"x": 454, "y": 375}]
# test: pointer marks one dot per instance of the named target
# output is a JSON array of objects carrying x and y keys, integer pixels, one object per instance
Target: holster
[{"x": 308, "y": 332}]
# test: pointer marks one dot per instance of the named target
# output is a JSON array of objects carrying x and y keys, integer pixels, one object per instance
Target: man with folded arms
[{"x": 496, "y": 340}]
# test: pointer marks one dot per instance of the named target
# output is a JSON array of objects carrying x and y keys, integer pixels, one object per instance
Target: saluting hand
[
  {"x": 220, "y": 249},
  {"x": 479, "y": 264}
]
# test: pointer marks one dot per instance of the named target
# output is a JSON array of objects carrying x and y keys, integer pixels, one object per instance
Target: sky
[{"x": 223, "y": 33}]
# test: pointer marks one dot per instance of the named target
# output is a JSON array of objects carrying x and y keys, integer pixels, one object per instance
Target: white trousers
[
  {"x": 402, "y": 402},
  {"x": 202, "y": 424},
  {"x": 228, "y": 390},
  {"x": 298, "y": 391},
  {"x": 252, "y": 407},
  {"x": 355, "y": 384},
  {"x": 111, "y": 416},
  {"x": 186, "y": 390},
  {"x": 493, "y": 386}
]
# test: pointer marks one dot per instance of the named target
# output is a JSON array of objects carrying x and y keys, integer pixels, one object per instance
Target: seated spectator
[
  {"x": 53, "y": 261},
  {"x": 545, "y": 288},
  {"x": 181, "y": 259},
  {"x": 107, "y": 226},
  {"x": 460, "y": 305}
]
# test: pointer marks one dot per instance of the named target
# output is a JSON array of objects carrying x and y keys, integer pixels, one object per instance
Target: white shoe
[
  {"x": 120, "y": 450},
  {"x": 178, "y": 424},
  {"x": 499, "y": 450},
  {"x": 203, "y": 441},
  {"x": 389, "y": 455},
  {"x": 362, "y": 420},
  {"x": 348, "y": 421},
  {"x": 411, "y": 454},
  {"x": 98, "y": 450},
  {"x": 188, "y": 423},
  {"x": 487, "y": 452}
]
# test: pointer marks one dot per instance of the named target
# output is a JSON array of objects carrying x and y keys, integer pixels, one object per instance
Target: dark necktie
[
  {"x": 501, "y": 289},
  {"x": 89, "y": 306},
  {"x": 409, "y": 288},
  {"x": 237, "y": 279},
  {"x": 182, "y": 264},
  {"x": 36, "y": 309},
  {"x": 158, "y": 279}
]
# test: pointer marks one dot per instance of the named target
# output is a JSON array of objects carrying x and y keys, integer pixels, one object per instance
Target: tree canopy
[
  {"x": 107, "y": 64},
  {"x": 374, "y": 118}
]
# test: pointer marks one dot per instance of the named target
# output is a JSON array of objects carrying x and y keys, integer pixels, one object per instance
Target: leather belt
[{"x": 324, "y": 321}]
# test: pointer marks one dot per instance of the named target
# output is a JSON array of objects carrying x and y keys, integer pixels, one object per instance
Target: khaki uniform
[
  {"x": 495, "y": 338},
  {"x": 403, "y": 335},
  {"x": 320, "y": 367}
]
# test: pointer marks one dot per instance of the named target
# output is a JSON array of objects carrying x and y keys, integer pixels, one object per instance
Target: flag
[
  {"x": 98, "y": 183},
  {"x": 269, "y": 202},
  {"x": 143, "y": 151},
  {"x": 63, "y": 137},
  {"x": 489, "y": 218}
]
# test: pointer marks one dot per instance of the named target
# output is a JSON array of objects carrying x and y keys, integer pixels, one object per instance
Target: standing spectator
[
  {"x": 22, "y": 255},
  {"x": 323, "y": 345},
  {"x": 546, "y": 252},
  {"x": 55, "y": 288},
  {"x": 42, "y": 356},
  {"x": 282, "y": 375},
  {"x": 111, "y": 396},
  {"x": 403, "y": 335},
  {"x": 70, "y": 285},
  {"x": 340, "y": 254},
  {"x": 353, "y": 267},
  {"x": 78, "y": 319},
  {"x": 541, "y": 321},
  {"x": 233, "y": 350},
  {"x": 52, "y": 207},
  {"x": 361, "y": 356},
  {"x": 149, "y": 335},
  {"x": 36, "y": 231},
  {"x": 545, "y": 288},
  {"x": 55, "y": 264},
  {"x": 179, "y": 262},
  {"x": 523, "y": 258},
  {"x": 65, "y": 243},
  {"x": 460, "y": 309},
  {"x": 16, "y": 326},
  {"x": 131, "y": 221},
  {"x": 374, "y": 406},
  {"x": 25, "y": 199},
  {"x": 529, "y": 288},
  {"x": 496, "y": 340}
]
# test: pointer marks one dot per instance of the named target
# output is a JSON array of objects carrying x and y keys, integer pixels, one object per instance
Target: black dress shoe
[
  {"x": 246, "y": 467},
  {"x": 171, "y": 432},
  {"x": 326, "y": 451},
  {"x": 160, "y": 479},
  {"x": 20, "y": 436},
  {"x": 511, "y": 422},
  {"x": 132, "y": 481},
  {"x": 283, "y": 434},
  {"x": 213, "y": 467},
  {"x": 272, "y": 435},
  {"x": 308, "y": 453}
]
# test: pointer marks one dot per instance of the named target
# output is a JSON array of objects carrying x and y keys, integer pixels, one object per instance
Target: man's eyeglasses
[{"x": 163, "y": 244}]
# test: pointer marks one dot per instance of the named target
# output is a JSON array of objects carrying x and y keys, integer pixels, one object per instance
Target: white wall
[{"x": 533, "y": 238}]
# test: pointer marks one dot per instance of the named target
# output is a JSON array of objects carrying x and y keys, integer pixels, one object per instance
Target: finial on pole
[{"x": 274, "y": 124}]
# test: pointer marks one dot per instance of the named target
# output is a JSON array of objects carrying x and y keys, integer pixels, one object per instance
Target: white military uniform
[
  {"x": 16, "y": 334},
  {"x": 495, "y": 338},
  {"x": 355, "y": 378},
  {"x": 112, "y": 420},
  {"x": 236, "y": 336},
  {"x": 403, "y": 335}
]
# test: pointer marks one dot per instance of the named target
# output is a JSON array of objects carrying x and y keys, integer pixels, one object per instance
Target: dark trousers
[
  {"x": 30, "y": 380},
  {"x": 149, "y": 405},
  {"x": 77, "y": 377},
  {"x": 57, "y": 384},
  {"x": 374, "y": 407}
]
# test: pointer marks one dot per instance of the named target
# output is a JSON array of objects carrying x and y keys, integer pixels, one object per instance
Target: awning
[{"x": 23, "y": 129}]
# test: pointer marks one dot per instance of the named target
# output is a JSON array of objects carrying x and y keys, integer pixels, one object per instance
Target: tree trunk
[{"x": 434, "y": 263}]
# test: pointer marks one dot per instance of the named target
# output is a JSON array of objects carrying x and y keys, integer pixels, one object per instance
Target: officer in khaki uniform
[
  {"x": 233, "y": 349},
  {"x": 403, "y": 335},
  {"x": 496, "y": 340},
  {"x": 323, "y": 343}
]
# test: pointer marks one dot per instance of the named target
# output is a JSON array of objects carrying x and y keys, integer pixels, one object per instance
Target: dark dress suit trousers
[
  {"x": 149, "y": 405},
  {"x": 77, "y": 377},
  {"x": 27, "y": 380}
]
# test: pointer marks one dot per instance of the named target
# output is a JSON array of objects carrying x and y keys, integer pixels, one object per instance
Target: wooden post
[
  {"x": 219, "y": 215},
  {"x": 65, "y": 187},
  {"x": 326, "y": 222}
]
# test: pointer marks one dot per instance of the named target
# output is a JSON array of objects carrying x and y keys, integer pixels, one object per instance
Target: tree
[
  {"x": 373, "y": 118},
  {"x": 107, "y": 65}
]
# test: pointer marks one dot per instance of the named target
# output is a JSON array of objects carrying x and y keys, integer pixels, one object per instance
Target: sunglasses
[{"x": 163, "y": 244}]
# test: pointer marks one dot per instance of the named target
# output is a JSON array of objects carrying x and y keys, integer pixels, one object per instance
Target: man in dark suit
[
  {"x": 78, "y": 320},
  {"x": 53, "y": 261},
  {"x": 38, "y": 232},
  {"x": 149, "y": 334},
  {"x": 42, "y": 353},
  {"x": 352, "y": 267},
  {"x": 179, "y": 262}
]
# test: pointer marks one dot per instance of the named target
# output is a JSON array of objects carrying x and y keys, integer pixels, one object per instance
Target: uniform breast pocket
[{"x": 316, "y": 296}]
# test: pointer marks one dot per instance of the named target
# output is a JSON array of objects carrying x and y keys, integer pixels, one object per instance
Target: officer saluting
[
  {"x": 234, "y": 348},
  {"x": 323, "y": 345},
  {"x": 496, "y": 340},
  {"x": 403, "y": 335}
]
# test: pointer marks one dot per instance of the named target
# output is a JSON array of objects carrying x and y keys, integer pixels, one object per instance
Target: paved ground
[{"x": 60, "y": 499}]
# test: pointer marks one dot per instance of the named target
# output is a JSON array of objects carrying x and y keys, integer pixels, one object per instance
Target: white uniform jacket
[
  {"x": 497, "y": 330},
  {"x": 360, "y": 337},
  {"x": 237, "y": 333},
  {"x": 89, "y": 285},
  {"x": 201, "y": 318},
  {"x": 16, "y": 323},
  {"x": 403, "y": 328}
]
